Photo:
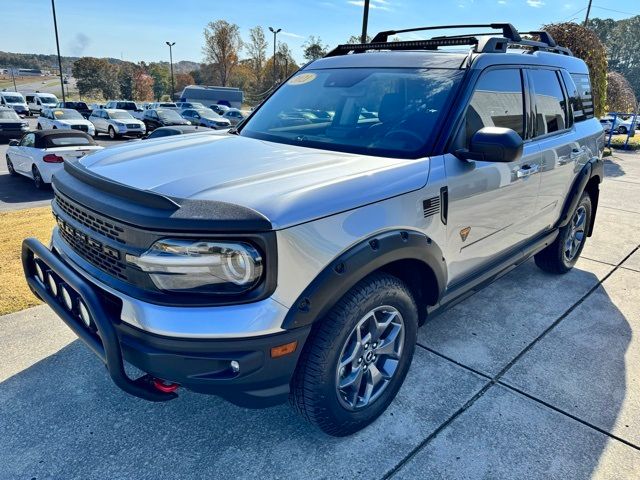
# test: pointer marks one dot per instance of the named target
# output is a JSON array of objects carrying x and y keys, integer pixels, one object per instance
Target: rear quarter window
[{"x": 582, "y": 96}]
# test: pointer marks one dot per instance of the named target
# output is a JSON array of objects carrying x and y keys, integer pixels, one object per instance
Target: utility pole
[
  {"x": 586, "y": 19},
  {"x": 171, "y": 65},
  {"x": 13, "y": 77},
  {"x": 275, "y": 32},
  {"x": 365, "y": 22},
  {"x": 55, "y": 27}
]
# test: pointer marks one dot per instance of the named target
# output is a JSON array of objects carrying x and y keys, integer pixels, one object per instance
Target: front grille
[
  {"x": 82, "y": 128},
  {"x": 91, "y": 220},
  {"x": 133, "y": 125},
  {"x": 92, "y": 251}
]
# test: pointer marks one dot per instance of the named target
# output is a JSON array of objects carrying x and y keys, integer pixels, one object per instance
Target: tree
[
  {"x": 257, "y": 50},
  {"x": 620, "y": 95},
  {"x": 125, "y": 79},
  {"x": 586, "y": 45},
  {"x": 161, "y": 79},
  {"x": 314, "y": 49},
  {"x": 621, "y": 38},
  {"x": 222, "y": 48},
  {"x": 96, "y": 76},
  {"x": 183, "y": 80},
  {"x": 357, "y": 38},
  {"x": 142, "y": 86}
]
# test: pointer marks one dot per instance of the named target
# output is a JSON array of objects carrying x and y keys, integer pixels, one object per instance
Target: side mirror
[
  {"x": 493, "y": 144},
  {"x": 14, "y": 143}
]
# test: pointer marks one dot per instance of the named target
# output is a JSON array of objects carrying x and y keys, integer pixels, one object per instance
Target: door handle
[{"x": 527, "y": 170}]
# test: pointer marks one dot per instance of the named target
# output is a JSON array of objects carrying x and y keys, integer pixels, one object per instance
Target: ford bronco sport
[{"x": 375, "y": 187}]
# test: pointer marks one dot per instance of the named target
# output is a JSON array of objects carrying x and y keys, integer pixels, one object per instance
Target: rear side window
[
  {"x": 583, "y": 104},
  {"x": 549, "y": 102},
  {"x": 498, "y": 101}
]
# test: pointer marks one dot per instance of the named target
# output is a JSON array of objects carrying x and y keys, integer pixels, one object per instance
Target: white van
[
  {"x": 14, "y": 100},
  {"x": 37, "y": 101}
]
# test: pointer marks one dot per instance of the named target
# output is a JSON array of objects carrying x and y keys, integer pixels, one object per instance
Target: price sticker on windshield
[{"x": 302, "y": 79}]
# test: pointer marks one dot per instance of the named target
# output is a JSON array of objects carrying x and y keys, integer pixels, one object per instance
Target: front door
[{"x": 492, "y": 205}]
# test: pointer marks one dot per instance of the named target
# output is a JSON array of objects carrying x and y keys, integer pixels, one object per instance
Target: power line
[{"x": 616, "y": 11}]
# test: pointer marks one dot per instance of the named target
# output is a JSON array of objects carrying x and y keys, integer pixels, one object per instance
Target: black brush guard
[{"x": 104, "y": 342}]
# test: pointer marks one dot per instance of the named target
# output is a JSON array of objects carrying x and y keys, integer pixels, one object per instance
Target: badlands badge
[{"x": 464, "y": 233}]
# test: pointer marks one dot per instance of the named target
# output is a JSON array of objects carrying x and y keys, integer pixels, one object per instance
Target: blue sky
[{"x": 137, "y": 29}]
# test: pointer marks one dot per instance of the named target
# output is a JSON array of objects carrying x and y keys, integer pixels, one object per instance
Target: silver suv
[{"x": 375, "y": 187}]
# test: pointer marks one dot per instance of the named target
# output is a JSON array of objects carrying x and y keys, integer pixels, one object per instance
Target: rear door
[
  {"x": 555, "y": 134},
  {"x": 492, "y": 205}
]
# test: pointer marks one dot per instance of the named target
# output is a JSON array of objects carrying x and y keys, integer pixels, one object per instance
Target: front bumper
[{"x": 201, "y": 365}]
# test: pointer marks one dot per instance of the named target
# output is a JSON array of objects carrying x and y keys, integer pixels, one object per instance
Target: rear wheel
[
  {"x": 622, "y": 130},
  {"x": 357, "y": 357},
  {"x": 563, "y": 253},
  {"x": 37, "y": 178}
]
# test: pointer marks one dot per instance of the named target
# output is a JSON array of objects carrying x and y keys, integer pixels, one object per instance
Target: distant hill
[{"x": 47, "y": 62}]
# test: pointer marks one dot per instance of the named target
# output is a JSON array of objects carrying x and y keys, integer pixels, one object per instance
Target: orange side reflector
[{"x": 282, "y": 350}]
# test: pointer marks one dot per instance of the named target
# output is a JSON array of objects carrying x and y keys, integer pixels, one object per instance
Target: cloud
[
  {"x": 292, "y": 35},
  {"x": 502, "y": 2},
  {"x": 535, "y": 3},
  {"x": 79, "y": 44},
  {"x": 379, "y": 4}
]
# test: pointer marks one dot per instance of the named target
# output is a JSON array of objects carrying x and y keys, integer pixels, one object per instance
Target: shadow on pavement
[
  {"x": 18, "y": 192},
  {"x": 612, "y": 168}
]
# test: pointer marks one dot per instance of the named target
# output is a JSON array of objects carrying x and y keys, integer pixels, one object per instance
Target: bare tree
[
  {"x": 222, "y": 47},
  {"x": 314, "y": 49},
  {"x": 257, "y": 50}
]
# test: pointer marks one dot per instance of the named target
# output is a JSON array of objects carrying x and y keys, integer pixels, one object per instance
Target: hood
[{"x": 287, "y": 184}]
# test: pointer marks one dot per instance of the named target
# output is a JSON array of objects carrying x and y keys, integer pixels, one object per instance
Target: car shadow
[
  {"x": 612, "y": 168},
  {"x": 20, "y": 190},
  {"x": 63, "y": 418}
]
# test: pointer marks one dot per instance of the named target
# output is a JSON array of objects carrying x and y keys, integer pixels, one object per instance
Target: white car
[
  {"x": 116, "y": 123},
  {"x": 65, "y": 119},
  {"x": 39, "y": 155}
]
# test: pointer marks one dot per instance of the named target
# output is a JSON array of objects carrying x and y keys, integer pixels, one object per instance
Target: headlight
[{"x": 201, "y": 266}]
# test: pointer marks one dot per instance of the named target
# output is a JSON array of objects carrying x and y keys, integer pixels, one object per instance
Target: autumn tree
[
  {"x": 96, "y": 76},
  {"x": 314, "y": 49},
  {"x": 257, "y": 51},
  {"x": 620, "y": 95},
  {"x": 183, "y": 80},
  {"x": 126, "y": 72},
  {"x": 586, "y": 45},
  {"x": 222, "y": 48},
  {"x": 142, "y": 90},
  {"x": 161, "y": 79}
]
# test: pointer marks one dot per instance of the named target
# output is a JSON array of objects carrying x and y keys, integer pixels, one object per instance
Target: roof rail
[
  {"x": 485, "y": 42},
  {"x": 508, "y": 30}
]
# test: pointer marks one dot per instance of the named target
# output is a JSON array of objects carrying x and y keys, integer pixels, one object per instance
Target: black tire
[
  {"x": 12, "y": 171},
  {"x": 37, "y": 179},
  {"x": 112, "y": 134},
  {"x": 39, "y": 127},
  {"x": 314, "y": 388},
  {"x": 622, "y": 130},
  {"x": 555, "y": 257}
]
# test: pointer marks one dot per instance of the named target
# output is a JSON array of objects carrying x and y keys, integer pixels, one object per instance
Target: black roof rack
[{"x": 484, "y": 42}]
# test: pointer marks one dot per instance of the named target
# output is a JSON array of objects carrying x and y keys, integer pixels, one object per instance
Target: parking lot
[
  {"x": 535, "y": 376},
  {"x": 18, "y": 192}
]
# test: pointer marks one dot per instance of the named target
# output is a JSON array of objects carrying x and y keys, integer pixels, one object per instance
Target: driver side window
[
  {"x": 498, "y": 101},
  {"x": 28, "y": 140}
]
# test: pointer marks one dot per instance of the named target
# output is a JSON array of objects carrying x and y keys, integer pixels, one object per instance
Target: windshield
[
  {"x": 48, "y": 100},
  {"x": 67, "y": 115},
  {"x": 120, "y": 115},
  {"x": 9, "y": 115},
  {"x": 168, "y": 105},
  {"x": 13, "y": 98},
  {"x": 170, "y": 115},
  {"x": 81, "y": 105},
  {"x": 384, "y": 111},
  {"x": 127, "y": 106},
  {"x": 209, "y": 114}
]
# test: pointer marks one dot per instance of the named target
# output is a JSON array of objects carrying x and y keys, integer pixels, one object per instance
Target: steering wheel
[{"x": 408, "y": 136}]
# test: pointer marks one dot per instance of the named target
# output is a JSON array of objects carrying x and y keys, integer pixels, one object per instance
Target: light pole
[
  {"x": 13, "y": 77},
  {"x": 275, "y": 32},
  {"x": 586, "y": 18},
  {"x": 170, "y": 44},
  {"x": 365, "y": 22},
  {"x": 55, "y": 27}
]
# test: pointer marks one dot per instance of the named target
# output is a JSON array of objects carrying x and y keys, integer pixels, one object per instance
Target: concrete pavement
[{"x": 536, "y": 376}]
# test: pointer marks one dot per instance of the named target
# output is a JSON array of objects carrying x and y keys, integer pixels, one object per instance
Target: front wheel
[
  {"x": 357, "y": 357},
  {"x": 112, "y": 133},
  {"x": 622, "y": 130},
  {"x": 563, "y": 253}
]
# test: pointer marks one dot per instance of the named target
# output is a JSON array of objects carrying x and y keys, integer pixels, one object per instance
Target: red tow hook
[{"x": 164, "y": 386}]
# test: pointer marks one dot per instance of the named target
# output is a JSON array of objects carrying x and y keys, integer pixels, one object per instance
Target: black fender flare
[
  {"x": 360, "y": 260},
  {"x": 593, "y": 168}
]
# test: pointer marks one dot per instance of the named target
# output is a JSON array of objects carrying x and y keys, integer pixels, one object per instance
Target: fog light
[
  {"x": 39, "y": 271},
  {"x": 66, "y": 298},
  {"x": 235, "y": 366},
  {"x": 53, "y": 285},
  {"x": 84, "y": 313}
]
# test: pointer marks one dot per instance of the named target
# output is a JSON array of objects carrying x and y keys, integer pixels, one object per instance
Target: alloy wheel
[
  {"x": 576, "y": 233},
  {"x": 370, "y": 357}
]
